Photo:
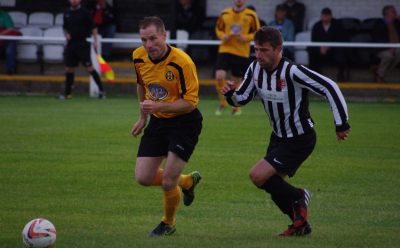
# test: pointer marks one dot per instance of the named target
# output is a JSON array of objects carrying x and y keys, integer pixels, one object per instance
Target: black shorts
[
  {"x": 178, "y": 135},
  {"x": 286, "y": 155},
  {"x": 76, "y": 52},
  {"x": 236, "y": 64}
]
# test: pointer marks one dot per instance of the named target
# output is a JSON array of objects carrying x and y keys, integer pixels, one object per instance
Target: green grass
[{"x": 72, "y": 162}]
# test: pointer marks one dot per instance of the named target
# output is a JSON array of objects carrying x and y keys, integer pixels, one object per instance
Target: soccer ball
[{"x": 39, "y": 233}]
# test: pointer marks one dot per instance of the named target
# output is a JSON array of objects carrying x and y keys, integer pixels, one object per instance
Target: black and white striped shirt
[{"x": 284, "y": 94}]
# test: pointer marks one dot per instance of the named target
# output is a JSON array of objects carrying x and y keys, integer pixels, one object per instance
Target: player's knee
[
  {"x": 168, "y": 184},
  {"x": 256, "y": 179},
  {"x": 219, "y": 78},
  {"x": 142, "y": 180}
]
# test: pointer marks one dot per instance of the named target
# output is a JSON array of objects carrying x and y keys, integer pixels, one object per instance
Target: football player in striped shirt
[{"x": 283, "y": 88}]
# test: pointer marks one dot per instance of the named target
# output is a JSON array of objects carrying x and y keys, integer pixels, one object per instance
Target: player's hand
[
  {"x": 324, "y": 50},
  {"x": 68, "y": 36},
  {"x": 342, "y": 135},
  {"x": 149, "y": 106},
  {"x": 241, "y": 38},
  {"x": 225, "y": 37},
  {"x": 138, "y": 127},
  {"x": 227, "y": 87}
]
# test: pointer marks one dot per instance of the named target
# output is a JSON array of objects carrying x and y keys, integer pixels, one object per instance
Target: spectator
[
  {"x": 286, "y": 27},
  {"x": 235, "y": 28},
  {"x": 10, "y": 46},
  {"x": 328, "y": 29},
  {"x": 296, "y": 12},
  {"x": 104, "y": 18},
  {"x": 387, "y": 30},
  {"x": 189, "y": 16}
]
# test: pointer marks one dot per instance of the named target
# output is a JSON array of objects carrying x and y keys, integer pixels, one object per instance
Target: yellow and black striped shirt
[
  {"x": 171, "y": 78},
  {"x": 232, "y": 22}
]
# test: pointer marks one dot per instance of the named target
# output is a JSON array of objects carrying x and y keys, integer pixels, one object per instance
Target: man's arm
[
  {"x": 220, "y": 29},
  {"x": 180, "y": 106},
  {"x": 246, "y": 91},
  {"x": 67, "y": 35},
  {"x": 141, "y": 123},
  {"x": 255, "y": 25},
  {"x": 324, "y": 86}
]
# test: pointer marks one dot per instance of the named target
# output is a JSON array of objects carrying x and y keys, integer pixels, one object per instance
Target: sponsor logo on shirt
[
  {"x": 236, "y": 29},
  {"x": 157, "y": 92}
]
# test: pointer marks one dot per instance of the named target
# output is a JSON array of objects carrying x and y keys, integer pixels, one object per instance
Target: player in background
[
  {"x": 235, "y": 28},
  {"x": 283, "y": 88},
  {"x": 167, "y": 87},
  {"x": 78, "y": 25}
]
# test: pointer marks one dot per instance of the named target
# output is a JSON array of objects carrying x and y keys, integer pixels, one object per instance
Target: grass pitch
[{"x": 72, "y": 162}]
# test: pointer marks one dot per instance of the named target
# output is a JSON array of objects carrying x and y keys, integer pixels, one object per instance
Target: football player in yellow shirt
[
  {"x": 235, "y": 28},
  {"x": 167, "y": 88}
]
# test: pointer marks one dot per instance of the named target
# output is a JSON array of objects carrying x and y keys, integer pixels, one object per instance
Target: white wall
[
  {"x": 361, "y": 9},
  {"x": 7, "y": 3}
]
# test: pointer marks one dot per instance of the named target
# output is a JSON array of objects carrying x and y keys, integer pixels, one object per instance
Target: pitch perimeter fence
[{"x": 192, "y": 42}]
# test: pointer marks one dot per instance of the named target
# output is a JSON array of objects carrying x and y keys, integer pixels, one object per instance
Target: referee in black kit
[
  {"x": 283, "y": 88},
  {"x": 78, "y": 25}
]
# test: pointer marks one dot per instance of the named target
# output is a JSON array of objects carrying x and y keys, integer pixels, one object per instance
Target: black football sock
[
  {"x": 97, "y": 79},
  {"x": 69, "y": 82},
  {"x": 282, "y": 192},
  {"x": 284, "y": 205}
]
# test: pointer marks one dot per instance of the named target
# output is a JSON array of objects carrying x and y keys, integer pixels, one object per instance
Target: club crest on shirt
[
  {"x": 236, "y": 29},
  {"x": 169, "y": 75},
  {"x": 157, "y": 92},
  {"x": 280, "y": 84}
]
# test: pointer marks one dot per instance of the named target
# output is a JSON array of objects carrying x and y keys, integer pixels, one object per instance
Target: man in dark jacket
[
  {"x": 78, "y": 25},
  {"x": 387, "y": 30},
  {"x": 328, "y": 29},
  {"x": 189, "y": 16},
  {"x": 296, "y": 12}
]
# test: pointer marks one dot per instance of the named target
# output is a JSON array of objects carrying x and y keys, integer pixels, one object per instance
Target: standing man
[
  {"x": 283, "y": 88},
  {"x": 387, "y": 30},
  {"x": 235, "y": 28},
  {"x": 78, "y": 25},
  {"x": 168, "y": 91}
]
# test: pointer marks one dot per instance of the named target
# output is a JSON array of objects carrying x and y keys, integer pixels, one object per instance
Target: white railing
[
  {"x": 210, "y": 42},
  {"x": 93, "y": 90}
]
